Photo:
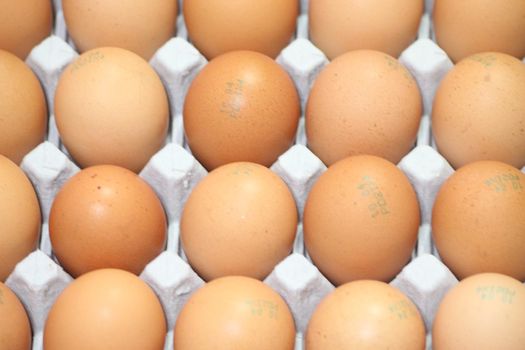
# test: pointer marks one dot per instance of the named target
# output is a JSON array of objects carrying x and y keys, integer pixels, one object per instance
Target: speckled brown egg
[
  {"x": 466, "y": 27},
  {"x": 478, "y": 221},
  {"x": 106, "y": 216},
  {"x": 479, "y": 111},
  {"x": 106, "y": 309},
  {"x": 111, "y": 108},
  {"x": 361, "y": 220},
  {"x": 363, "y": 102},
  {"x": 15, "y": 330},
  {"x": 235, "y": 313},
  {"x": 138, "y": 26},
  {"x": 23, "y": 109},
  {"x": 339, "y": 26},
  {"x": 24, "y": 24},
  {"x": 239, "y": 220},
  {"x": 485, "y": 311},
  {"x": 366, "y": 315},
  {"x": 241, "y": 107},
  {"x": 19, "y": 217},
  {"x": 219, "y": 26}
]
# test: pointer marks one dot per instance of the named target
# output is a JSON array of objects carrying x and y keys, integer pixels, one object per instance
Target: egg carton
[{"x": 173, "y": 172}]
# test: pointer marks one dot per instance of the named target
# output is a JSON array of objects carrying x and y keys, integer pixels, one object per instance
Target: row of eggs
[
  {"x": 241, "y": 219},
  {"x": 114, "y": 309},
  {"x": 215, "y": 27},
  {"x": 111, "y": 108}
]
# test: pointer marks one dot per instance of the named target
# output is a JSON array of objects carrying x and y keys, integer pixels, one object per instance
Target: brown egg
[
  {"x": 235, "y": 313},
  {"x": 106, "y": 216},
  {"x": 106, "y": 309},
  {"x": 485, "y": 311},
  {"x": 366, "y": 315},
  {"x": 241, "y": 107},
  {"x": 15, "y": 330},
  {"x": 364, "y": 102},
  {"x": 19, "y": 217},
  {"x": 111, "y": 108},
  {"x": 23, "y": 109},
  {"x": 361, "y": 220},
  {"x": 479, "y": 111},
  {"x": 466, "y": 27},
  {"x": 478, "y": 220},
  {"x": 24, "y": 24},
  {"x": 239, "y": 220},
  {"x": 339, "y": 26},
  {"x": 138, "y": 26},
  {"x": 218, "y": 26}
]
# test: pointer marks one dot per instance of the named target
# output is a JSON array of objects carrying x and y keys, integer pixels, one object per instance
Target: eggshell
[
  {"x": 235, "y": 313},
  {"x": 24, "y": 24},
  {"x": 466, "y": 27},
  {"x": 241, "y": 107},
  {"x": 106, "y": 216},
  {"x": 361, "y": 220},
  {"x": 339, "y": 26},
  {"x": 138, "y": 26},
  {"x": 106, "y": 309},
  {"x": 19, "y": 216},
  {"x": 23, "y": 109},
  {"x": 239, "y": 220},
  {"x": 366, "y": 315},
  {"x": 478, "y": 220},
  {"x": 485, "y": 311},
  {"x": 15, "y": 330},
  {"x": 218, "y": 26},
  {"x": 479, "y": 111},
  {"x": 363, "y": 102},
  {"x": 111, "y": 108}
]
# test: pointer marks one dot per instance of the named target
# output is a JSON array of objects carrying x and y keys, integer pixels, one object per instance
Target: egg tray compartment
[{"x": 173, "y": 172}]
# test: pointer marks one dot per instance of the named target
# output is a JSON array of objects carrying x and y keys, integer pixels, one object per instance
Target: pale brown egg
[
  {"x": 106, "y": 309},
  {"x": 483, "y": 312},
  {"x": 339, "y": 26},
  {"x": 218, "y": 26},
  {"x": 106, "y": 216},
  {"x": 24, "y": 24},
  {"x": 479, "y": 111},
  {"x": 138, "y": 26},
  {"x": 23, "y": 109},
  {"x": 478, "y": 221},
  {"x": 19, "y": 217},
  {"x": 241, "y": 107},
  {"x": 239, "y": 220},
  {"x": 366, "y": 315},
  {"x": 111, "y": 108},
  {"x": 363, "y": 102},
  {"x": 466, "y": 27},
  {"x": 235, "y": 313},
  {"x": 15, "y": 330},
  {"x": 361, "y": 220}
]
